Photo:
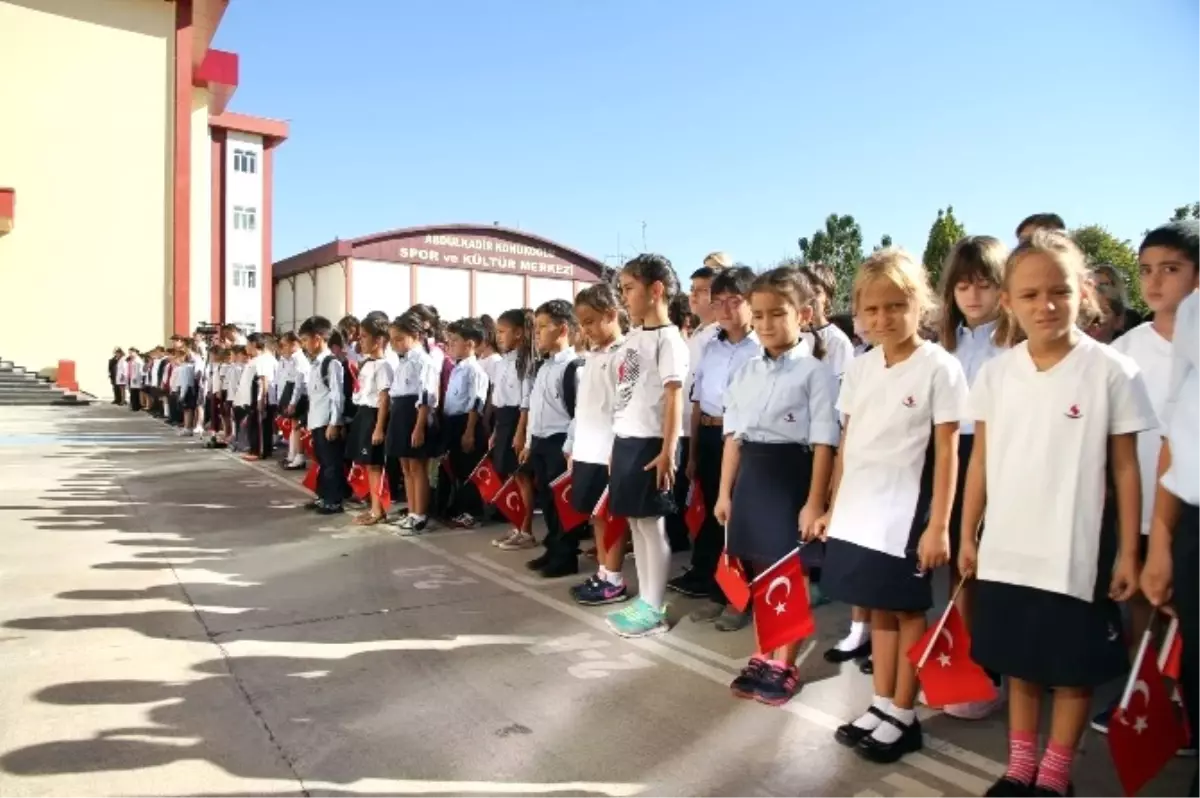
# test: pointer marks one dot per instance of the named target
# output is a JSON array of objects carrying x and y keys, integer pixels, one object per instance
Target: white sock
[
  {"x": 653, "y": 554},
  {"x": 868, "y": 721},
  {"x": 602, "y": 574},
  {"x": 614, "y": 578},
  {"x": 860, "y": 632},
  {"x": 889, "y": 733},
  {"x": 416, "y": 517}
]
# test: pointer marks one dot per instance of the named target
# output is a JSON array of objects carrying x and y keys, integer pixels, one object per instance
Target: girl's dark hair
[
  {"x": 602, "y": 298},
  {"x": 348, "y": 325},
  {"x": 376, "y": 315},
  {"x": 521, "y": 319},
  {"x": 649, "y": 269},
  {"x": 795, "y": 287},
  {"x": 972, "y": 259},
  {"x": 734, "y": 280},
  {"x": 489, "y": 331},
  {"x": 409, "y": 324},
  {"x": 374, "y": 326},
  {"x": 290, "y": 337},
  {"x": 431, "y": 324},
  {"x": 335, "y": 339},
  {"x": 679, "y": 312},
  {"x": 1183, "y": 236}
]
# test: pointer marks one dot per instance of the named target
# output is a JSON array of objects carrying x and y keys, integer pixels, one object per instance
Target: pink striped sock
[
  {"x": 1055, "y": 771},
  {"x": 1022, "y": 757}
]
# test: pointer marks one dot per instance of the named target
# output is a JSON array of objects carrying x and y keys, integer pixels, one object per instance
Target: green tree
[
  {"x": 1101, "y": 246},
  {"x": 943, "y": 235},
  {"x": 1187, "y": 212},
  {"x": 838, "y": 245}
]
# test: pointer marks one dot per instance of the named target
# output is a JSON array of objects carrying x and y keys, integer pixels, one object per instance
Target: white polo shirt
[
  {"x": 892, "y": 413},
  {"x": 590, "y": 436},
  {"x": 695, "y": 349},
  {"x": 374, "y": 378},
  {"x": 1047, "y": 436},
  {"x": 647, "y": 361},
  {"x": 1181, "y": 417},
  {"x": 1152, "y": 354}
]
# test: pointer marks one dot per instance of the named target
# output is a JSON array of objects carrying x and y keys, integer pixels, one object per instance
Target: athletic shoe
[
  {"x": 746, "y": 684},
  {"x": 597, "y": 591},
  {"x": 778, "y": 684},
  {"x": 517, "y": 542},
  {"x": 639, "y": 619}
]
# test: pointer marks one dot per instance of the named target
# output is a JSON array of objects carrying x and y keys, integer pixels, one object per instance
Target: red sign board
[{"x": 482, "y": 252}]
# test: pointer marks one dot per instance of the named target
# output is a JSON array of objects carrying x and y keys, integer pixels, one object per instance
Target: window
[
  {"x": 245, "y": 161},
  {"x": 245, "y": 275},
  {"x": 245, "y": 218}
]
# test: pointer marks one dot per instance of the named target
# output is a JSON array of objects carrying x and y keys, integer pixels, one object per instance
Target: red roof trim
[
  {"x": 273, "y": 131},
  {"x": 218, "y": 73}
]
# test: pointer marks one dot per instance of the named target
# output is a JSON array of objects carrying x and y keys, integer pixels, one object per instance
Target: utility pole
[{"x": 644, "y": 247}]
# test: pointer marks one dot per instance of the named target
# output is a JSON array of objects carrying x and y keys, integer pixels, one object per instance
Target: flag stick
[
  {"x": 793, "y": 553},
  {"x": 941, "y": 624},
  {"x": 1127, "y": 693},
  {"x": 1168, "y": 643}
]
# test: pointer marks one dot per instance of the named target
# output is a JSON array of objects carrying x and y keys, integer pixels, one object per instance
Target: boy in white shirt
[{"x": 260, "y": 420}]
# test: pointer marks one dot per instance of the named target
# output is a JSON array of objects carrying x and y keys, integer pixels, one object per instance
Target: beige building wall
[
  {"x": 86, "y": 142},
  {"x": 200, "y": 284}
]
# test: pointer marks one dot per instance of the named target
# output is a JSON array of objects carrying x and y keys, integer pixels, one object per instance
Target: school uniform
[
  {"x": 882, "y": 504},
  {"x": 648, "y": 359},
  {"x": 1181, "y": 423},
  {"x": 325, "y": 407},
  {"x": 677, "y": 531},
  {"x": 114, "y": 365},
  {"x": 177, "y": 377},
  {"x": 711, "y": 377},
  {"x": 972, "y": 349},
  {"x": 466, "y": 393},
  {"x": 189, "y": 384},
  {"x": 374, "y": 378},
  {"x": 260, "y": 418},
  {"x": 510, "y": 397},
  {"x": 839, "y": 349},
  {"x": 1042, "y": 612},
  {"x": 415, "y": 385},
  {"x": 136, "y": 374},
  {"x": 551, "y": 407},
  {"x": 589, "y": 438}
]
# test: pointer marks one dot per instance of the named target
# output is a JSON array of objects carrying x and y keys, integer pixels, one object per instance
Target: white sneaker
[
  {"x": 507, "y": 536},
  {"x": 518, "y": 542}
]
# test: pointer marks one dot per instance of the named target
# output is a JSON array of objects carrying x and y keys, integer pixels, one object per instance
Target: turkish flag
[
  {"x": 948, "y": 674},
  {"x": 695, "y": 513},
  {"x": 360, "y": 486},
  {"x": 1170, "y": 657},
  {"x": 782, "y": 615},
  {"x": 486, "y": 480},
  {"x": 310, "y": 478},
  {"x": 284, "y": 425},
  {"x": 307, "y": 444},
  {"x": 510, "y": 504},
  {"x": 568, "y": 516},
  {"x": 385, "y": 493},
  {"x": 1146, "y": 734},
  {"x": 616, "y": 528},
  {"x": 731, "y": 577}
]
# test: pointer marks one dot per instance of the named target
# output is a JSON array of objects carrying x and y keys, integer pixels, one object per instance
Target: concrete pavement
[{"x": 172, "y": 624}]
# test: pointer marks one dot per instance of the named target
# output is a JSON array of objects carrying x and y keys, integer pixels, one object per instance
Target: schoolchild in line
[
  {"x": 781, "y": 427},
  {"x": 133, "y": 365},
  {"x": 368, "y": 432},
  {"x": 391, "y": 468},
  {"x": 193, "y": 405},
  {"x": 1112, "y": 282},
  {"x": 489, "y": 351},
  {"x": 970, "y": 297},
  {"x": 1039, "y": 221},
  {"x": 293, "y": 396},
  {"x": 1054, "y": 478},
  {"x": 326, "y": 400},
  {"x": 735, "y": 344},
  {"x": 414, "y": 402},
  {"x": 212, "y": 408},
  {"x": 1170, "y": 573},
  {"x": 462, "y": 430},
  {"x": 260, "y": 418},
  {"x": 1110, "y": 299},
  {"x": 233, "y": 382},
  {"x": 114, "y": 368},
  {"x": 590, "y": 439},
  {"x": 551, "y": 409},
  {"x": 1168, "y": 274},
  {"x": 652, "y": 365},
  {"x": 510, "y": 400},
  {"x": 888, "y": 527},
  {"x": 839, "y": 350},
  {"x": 349, "y": 327}
]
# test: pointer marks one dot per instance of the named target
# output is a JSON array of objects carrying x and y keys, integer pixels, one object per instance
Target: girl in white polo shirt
[
  {"x": 893, "y": 489},
  {"x": 647, "y": 421},
  {"x": 368, "y": 432},
  {"x": 1056, "y": 423}
]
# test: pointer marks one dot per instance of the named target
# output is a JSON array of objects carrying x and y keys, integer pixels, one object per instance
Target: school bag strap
[{"x": 570, "y": 385}]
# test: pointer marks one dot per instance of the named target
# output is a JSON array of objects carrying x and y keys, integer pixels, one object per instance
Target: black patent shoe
[
  {"x": 837, "y": 656},
  {"x": 910, "y": 741},
  {"x": 867, "y": 666},
  {"x": 850, "y": 735},
  {"x": 1009, "y": 788}
]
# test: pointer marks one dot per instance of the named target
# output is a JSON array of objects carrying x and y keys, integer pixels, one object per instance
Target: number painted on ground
[{"x": 598, "y": 669}]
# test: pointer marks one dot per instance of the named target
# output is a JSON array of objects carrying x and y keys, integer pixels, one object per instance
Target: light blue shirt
[
  {"x": 468, "y": 388},
  {"x": 788, "y": 399},
  {"x": 548, "y": 414},
  {"x": 510, "y": 390},
  {"x": 973, "y": 348},
  {"x": 1181, "y": 418},
  {"x": 719, "y": 361},
  {"x": 325, "y": 400}
]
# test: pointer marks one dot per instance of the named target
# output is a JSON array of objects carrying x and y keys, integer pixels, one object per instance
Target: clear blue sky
[{"x": 721, "y": 125}]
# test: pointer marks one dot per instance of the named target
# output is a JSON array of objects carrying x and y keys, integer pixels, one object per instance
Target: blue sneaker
[
  {"x": 639, "y": 619},
  {"x": 596, "y": 591}
]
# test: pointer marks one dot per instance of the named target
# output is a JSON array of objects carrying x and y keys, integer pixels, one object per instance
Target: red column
[
  {"x": 217, "y": 313},
  {"x": 182, "y": 205}
]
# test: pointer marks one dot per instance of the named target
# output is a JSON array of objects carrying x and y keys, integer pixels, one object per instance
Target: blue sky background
[{"x": 721, "y": 125}]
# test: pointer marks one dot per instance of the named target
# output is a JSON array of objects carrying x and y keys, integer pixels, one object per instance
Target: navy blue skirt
[
  {"x": 966, "y": 443},
  {"x": 633, "y": 491},
  {"x": 402, "y": 420},
  {"x": 360, "y": 448},
  {"x": 504, "y": 426},
  {"x": 771, "y": 489},
  {"x": 588, "y": 481}
]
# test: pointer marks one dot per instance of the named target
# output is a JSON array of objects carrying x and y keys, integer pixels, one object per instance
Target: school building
[
  {"x": 460, "y": 269},
  {"x": 133, "y": 205}
]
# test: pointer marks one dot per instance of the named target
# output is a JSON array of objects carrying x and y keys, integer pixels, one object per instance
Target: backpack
[
  {"x": 347, "y": 384},
  {"x": 570, "y": 385}
]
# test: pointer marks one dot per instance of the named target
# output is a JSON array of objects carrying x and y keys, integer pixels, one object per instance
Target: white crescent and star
[
  {"x": 1140, "y": 722},
  {"x": 781, "y": 607},
  {"x": 513, "y": 502}
]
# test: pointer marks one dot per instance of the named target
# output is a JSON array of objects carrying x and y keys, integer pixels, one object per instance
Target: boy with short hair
[
  {"x": 463, "y": 435},
  {"x": 1039, "y": 221},
  {"x": 324, "y": 387},
  {"x": 260, "y": 418}
]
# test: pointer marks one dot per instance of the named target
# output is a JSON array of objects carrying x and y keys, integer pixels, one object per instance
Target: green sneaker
[{"x": 639, "y": 619}]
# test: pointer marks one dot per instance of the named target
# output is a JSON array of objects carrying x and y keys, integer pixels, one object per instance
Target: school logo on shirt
[
  {"x": 790, "y": 417},
  {"x": 909, "y": 401},
  {"x": 628, "y": 371},
  {"x": 1073, "y": 412}
]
